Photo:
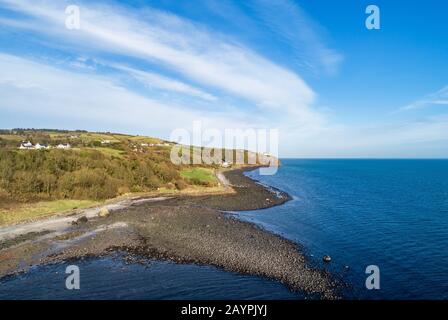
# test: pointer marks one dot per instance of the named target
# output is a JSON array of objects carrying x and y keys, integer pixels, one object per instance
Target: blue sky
[{"x": 309, "y": 68}]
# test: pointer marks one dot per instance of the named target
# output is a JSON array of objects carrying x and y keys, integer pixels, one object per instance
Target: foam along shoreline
[{"x": 183, "y": 229}]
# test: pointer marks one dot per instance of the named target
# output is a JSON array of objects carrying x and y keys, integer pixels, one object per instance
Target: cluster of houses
[{"x": 27, "y": 145}]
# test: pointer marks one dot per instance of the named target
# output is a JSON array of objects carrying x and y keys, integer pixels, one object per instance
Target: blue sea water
[
  {"x": 112, "y": 278},
  {"x": 388, "y": 213}
]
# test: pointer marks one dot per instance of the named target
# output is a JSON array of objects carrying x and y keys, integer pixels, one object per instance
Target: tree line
[{"x": 83, "y": 174}]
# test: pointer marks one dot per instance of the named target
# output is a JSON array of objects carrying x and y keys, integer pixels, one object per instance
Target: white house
[
  {"x": 225, "y": 164},
  {"x": 266, "y": 154},
  {"x": 64, "y": 146},
  {"x": 39, "y": 146},
  {"x": 106, "y": 142},
  {"x": 26, "y": 145}
]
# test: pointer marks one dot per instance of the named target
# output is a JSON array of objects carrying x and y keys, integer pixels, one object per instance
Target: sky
[{"x": 310, "y": 69}]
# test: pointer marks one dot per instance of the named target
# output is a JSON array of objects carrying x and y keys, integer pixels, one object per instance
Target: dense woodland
[{"x": 85, "y": 174}]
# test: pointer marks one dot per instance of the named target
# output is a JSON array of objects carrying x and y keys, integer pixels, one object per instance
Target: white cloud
[
  {"x": 299, "y": 34},
  {"x": 34, "y": 90},
  {"x": 291, "y": 23},
  {"x": 437, "y": 98},
  {"x": 200, "y": 55},
  {"x": 155, "y": 80},
  {"x": 413, "y": 138},
  {"x": 279, "y": 98}
]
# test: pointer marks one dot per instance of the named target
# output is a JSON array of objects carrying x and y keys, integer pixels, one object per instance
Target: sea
[{"x": 384, "y": 223}]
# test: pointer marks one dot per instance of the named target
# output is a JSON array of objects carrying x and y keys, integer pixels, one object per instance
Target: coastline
[{"x": 183, "y": 229}]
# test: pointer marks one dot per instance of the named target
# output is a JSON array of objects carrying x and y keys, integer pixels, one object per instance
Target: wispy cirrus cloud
[
  {"x": 240, "y": 86},
  {"x": 205, "y": 58},
  {"x": 437, "y": 98},
  {"x": 284, "y": 23},
  {"x": 155, "y": 80},
  {"x": 287, "y": 20},
  {"x": 31, "y": 89}
]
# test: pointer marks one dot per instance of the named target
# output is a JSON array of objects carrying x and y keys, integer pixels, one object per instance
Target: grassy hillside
[
  {"x": 199, "y": 176},
  {"x": 96, "y": 167},
  {"x": 29, "y": 211}
]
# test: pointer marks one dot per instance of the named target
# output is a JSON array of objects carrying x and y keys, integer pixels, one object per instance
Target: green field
[
  {"x": 26, "y": 212},
  {"x": 203, "y": 175}
]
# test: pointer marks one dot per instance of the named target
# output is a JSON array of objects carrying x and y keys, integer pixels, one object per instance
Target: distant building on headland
[
  {"x": 225, "y": 164},
  {"x": 64, "y": 146},
  {"x": 26, "y": 145},
  {"x": 39, "y": 146}
]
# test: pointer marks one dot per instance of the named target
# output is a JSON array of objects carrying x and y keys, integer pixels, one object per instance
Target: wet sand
[{"x": 184, "y": 229}]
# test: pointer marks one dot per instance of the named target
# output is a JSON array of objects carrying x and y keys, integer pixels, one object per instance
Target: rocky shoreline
[{"x": 183, "y": 229}]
